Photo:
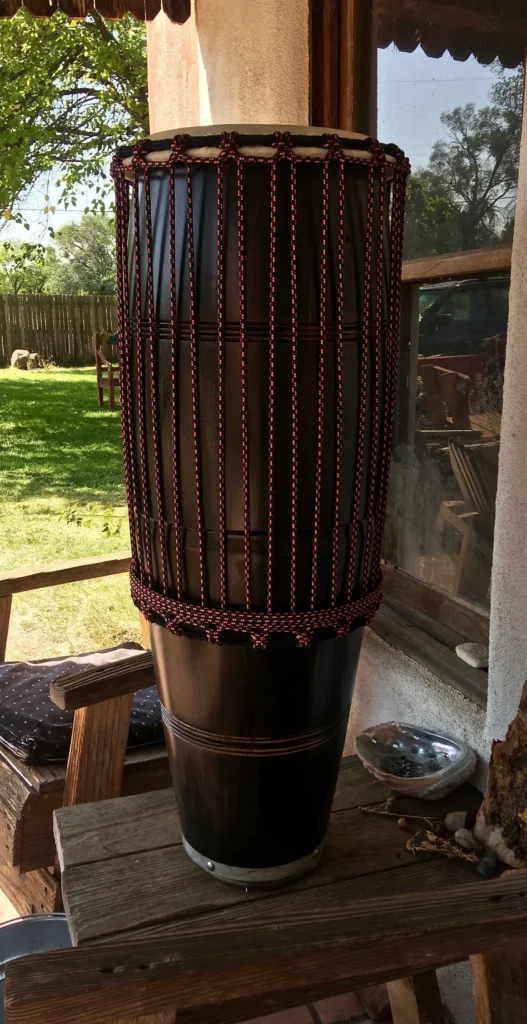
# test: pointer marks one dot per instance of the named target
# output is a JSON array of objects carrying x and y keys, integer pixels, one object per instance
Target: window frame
[{"x": 417, "y": 617}]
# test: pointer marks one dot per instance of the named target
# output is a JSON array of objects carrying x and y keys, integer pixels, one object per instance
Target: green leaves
[
  {"x": 22, "y": 268},
  {"x": 109, "y": 518},
  {"x": 70, "y": 93},
  {"x": 465, "y": 197},
  {"x": 82, "y": 258}
]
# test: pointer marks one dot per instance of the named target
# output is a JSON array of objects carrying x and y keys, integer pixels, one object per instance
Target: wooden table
[{"x": 155, "y": 934}]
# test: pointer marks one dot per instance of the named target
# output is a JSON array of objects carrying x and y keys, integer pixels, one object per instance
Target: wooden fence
[{"x": 60, "y": 327}]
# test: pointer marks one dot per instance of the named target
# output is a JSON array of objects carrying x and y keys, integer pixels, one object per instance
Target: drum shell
[
  {"x": 257, "y": 288},
  {"x": 258, "y": 810}
]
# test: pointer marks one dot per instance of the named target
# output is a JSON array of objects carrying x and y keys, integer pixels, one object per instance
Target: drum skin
[{"x": 256, "y": 416}]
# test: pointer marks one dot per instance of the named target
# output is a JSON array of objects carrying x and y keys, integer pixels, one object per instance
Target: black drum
[{"x": 259, "y": 290}]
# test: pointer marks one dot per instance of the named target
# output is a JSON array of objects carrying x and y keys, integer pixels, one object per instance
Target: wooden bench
[
  {"x": 30, "y": 793},
  {"x": 158, "y": 940},
  {"x": 107, "y": 374}
]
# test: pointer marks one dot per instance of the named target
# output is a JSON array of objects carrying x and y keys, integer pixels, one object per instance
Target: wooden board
[
  {"x": 16, "y": 581},
  {"x": 32, "y": 893},
  {"x": 451, "y": 611},
  {"x": 125, "y": 877},
  {"x": 82, "y": 689},
  {"x": 29, "y": 794},
  {"x": 457, "y": 265},
  {"x": 334, "y": 932}
]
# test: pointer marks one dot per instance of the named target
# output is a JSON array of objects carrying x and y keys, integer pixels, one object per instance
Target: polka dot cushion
[{"x": 36, "y": 730}]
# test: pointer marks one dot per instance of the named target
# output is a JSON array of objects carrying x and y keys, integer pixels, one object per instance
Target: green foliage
[
  {"x": 105, "y": 517},
  {"x": 465, "y": 197},
  {"x": 70, "y": 93},
  {"x": 21, "y": 268},
  {"x": 82, "y": 259}
]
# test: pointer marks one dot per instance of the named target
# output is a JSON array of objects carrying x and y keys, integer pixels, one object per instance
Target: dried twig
[
  {"x": 383, "y": 813},
  {"x": 435, "y": 844}
]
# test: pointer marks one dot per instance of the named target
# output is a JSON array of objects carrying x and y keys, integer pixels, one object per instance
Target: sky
[{"x": 413, "y": 92}]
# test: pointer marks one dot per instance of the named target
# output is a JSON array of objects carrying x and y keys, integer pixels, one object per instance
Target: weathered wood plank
[
  {"x": 133, "y": 891},
  {"x": 326, "y": 934},
  {"x": 34, "y": 892},
  {"x": 16, "y": 581},
  {"x": 136, "y": 824},
  {"x": 5, "y": 618},
  {"x": 97, "y": 751},
  {"x": 416, "y": 999},
  {"x": 82, "y": 689},
  {"x": 458, "y": 264},
  {"x": 453, "y": 612},
  {"x": 499, "y": 980}
]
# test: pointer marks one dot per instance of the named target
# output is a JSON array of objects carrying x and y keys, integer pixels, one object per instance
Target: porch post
[
  {"x": 508, "y": 632},
  {"x": 265, "y": 62}
]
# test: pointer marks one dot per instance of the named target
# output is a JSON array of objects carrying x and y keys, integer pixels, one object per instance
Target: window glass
[{"x": 459, "y": 121}]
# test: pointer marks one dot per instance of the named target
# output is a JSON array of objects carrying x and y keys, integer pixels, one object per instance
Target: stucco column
[
  {"x": 508, "y": 618},
  {"x": 233, "y": 62}
]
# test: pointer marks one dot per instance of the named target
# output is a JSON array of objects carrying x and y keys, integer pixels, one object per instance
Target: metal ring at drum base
[{"x": 254, "y": 878}]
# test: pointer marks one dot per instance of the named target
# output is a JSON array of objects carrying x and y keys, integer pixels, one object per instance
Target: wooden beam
[
  {"x": 82, "y": 689},
  {"x": 176, "y": 963},
  {"x": 451, "y": 265},
  {"x": 324, "y": 63},
  {"x": 5, "y": 616},
  {"x": 358, "y": 66},
  {"x": 17, "y": 581},
  {"x": 451, "y": 611},
  {"x": 416, "y": 1000},
  {"x": 456, "y": 16},
  {"x": 97, "y": 752},
  {"x": 499, "y": 980}
]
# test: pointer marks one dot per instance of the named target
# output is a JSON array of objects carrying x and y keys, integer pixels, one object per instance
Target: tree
[
  {"x": 465, "y": 197},
  {"x": 70, "y": 93},
  {"x": 21, "y": 268},
  {"x": 82, "y": 259}
]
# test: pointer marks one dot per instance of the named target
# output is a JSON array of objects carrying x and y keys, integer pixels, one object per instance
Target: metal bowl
[
  {"x": 24, "y": 935},
  {"x": 414, "y": 761}
]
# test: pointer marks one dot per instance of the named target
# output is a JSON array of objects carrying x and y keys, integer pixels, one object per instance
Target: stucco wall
[
  {"x": 508, "y": 618},
  {"x": 233, "y": 62}
]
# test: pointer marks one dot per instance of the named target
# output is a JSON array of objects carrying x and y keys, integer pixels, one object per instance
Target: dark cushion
[{"x": 36, "y": 730}]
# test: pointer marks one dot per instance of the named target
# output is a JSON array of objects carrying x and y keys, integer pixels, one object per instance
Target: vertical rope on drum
[
  {"x": 376, "y": 388},
  {"x": 272, "y": 340},
  {"x": 244, "y": 387},
  {"x": 363, "y": 386},
  {"x": 123, "y": 332},
  {"x": 194, "y": 373},
  {"x": 143, "y": 473},
  {"x": 396, "y": 247},
  {"x": 339, "y": 384},
  {"x": 294, "y": 382},
  {"x": 174, "y": 376},
  {"x": 221, "y": 395},
  {"x": 320, "y": 382},
  {"x": 153, "y": 380}
]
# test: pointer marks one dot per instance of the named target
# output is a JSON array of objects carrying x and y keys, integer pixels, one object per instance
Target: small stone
[
  {"x": 402, "y": 823},
  {"x": 487, "y": 864},
  {"x": 436, "y": 827},
  {"x": 466, "y": 840},
  {"x": 391, "y": 802},
  {"x": 476, "y": 655},
  {"x": 455, "y": 820}
]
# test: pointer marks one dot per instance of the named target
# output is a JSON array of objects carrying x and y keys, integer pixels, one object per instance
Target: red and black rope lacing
[{"x": 150, "y": 584}]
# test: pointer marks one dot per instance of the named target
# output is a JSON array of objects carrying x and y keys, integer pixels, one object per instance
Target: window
[{"x": 440, "y": 513}]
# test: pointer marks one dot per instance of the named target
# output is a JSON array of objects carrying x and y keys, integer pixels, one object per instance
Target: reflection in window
[{"x": 440, "y": 518}]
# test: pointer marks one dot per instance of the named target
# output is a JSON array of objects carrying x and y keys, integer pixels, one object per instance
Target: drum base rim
[{"x": 254, "y": 878}]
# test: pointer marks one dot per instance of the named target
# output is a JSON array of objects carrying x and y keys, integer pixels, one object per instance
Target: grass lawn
[{"x": 58, "y": 448}]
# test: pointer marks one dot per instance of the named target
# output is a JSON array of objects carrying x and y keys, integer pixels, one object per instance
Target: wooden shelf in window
[
  {"x": 451, "y": 265},
  {"x": 447, "y": 610},
  {"x": 430, "y": 644}
]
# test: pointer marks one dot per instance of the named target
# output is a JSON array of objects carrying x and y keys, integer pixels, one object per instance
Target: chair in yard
[
  {"x": 107, "y": 373},
  {"x": 475, "y": 466},
  {"x": 114, "y": 747}
]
